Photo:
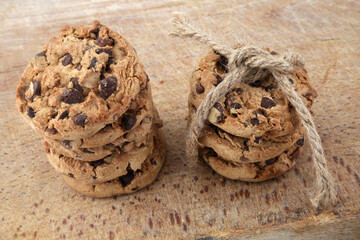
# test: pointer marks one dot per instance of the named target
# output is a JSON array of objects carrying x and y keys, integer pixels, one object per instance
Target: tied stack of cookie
[
  {"x": 88, "y": 95},
  {"x": 253, "y": 133}
]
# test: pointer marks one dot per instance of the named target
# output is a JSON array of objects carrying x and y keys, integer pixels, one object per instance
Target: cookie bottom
[
  {"x": 132, "y": 181},
  {"x": 252, "y": 172}
]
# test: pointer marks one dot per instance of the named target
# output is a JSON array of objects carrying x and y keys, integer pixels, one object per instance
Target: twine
[{"x": 249, "y": 64}]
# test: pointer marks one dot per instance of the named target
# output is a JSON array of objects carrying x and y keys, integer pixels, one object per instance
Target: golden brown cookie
[
  {"x": 124, "y": 134},
  {"x": 102, "y": 170},
  {"x": 252, "y": 172},
  {"x": 82, "y": 80},
  {"x": 247, "y": 110},
  {"x": 250, "y": 150},
  {"x": 130, "y": 182}
]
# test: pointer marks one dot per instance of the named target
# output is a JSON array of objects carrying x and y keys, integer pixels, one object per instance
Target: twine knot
[{"x": 249, "y": 64}]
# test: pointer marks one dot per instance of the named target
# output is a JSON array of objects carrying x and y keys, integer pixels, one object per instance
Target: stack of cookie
[
  {"x": 254, "y": 133},
  {"x": 87, "y": 93}
]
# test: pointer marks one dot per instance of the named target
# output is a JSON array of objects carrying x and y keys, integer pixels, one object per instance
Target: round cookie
[
  {"x": 132, "y": 135},
  {"x": 125, "y": 143},
  {"x": 82, "y": 80},
  {"x": 247, "y": 110},
  {"x": 252, "y": 172},
  {"x": 130, "y": 182},
  {"x": 249, "y": 150},
  {"x": 102, "y": 170}
]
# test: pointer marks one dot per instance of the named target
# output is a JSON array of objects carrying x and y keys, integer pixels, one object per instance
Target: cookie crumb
[{"x": 161, "y": 81}]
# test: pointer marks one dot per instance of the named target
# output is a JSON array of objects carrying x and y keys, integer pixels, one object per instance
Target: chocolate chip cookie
[
  {"x": 131, "y": 181},
  {"x": 82, "y": 80},
  {"x": 252, "y": 172},
  {"x": 123, "y": 134},
  {"x": 250, "y": 150},
  {"x": 102, "y": 170},
  {"x": 255, "y": 109}
]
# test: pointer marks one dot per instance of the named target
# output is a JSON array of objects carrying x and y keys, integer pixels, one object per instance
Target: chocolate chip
[
  {"x": 105, "y": 50},
  {"x": 52, "y": 131},
  {"x": 85, "y": 150},
  {"x": 271, "y": 161},
  {"x": 153, "y": 162},
  {"x": 71, "y": 175},
  {"x": 128, "y": 121},
  {"x": 301, "y": 141},
  {"x": 30, "y": 112},
  {"x": 93, "y": 63},
  {"x": 246, "y": 144},
  {"x": 88, "y": 47},
  {"x": 238, "y": 90},
  {"x": 256, "y": 84},
  {"x": 262, "y": 112},
  {"x": 78, "y": 67},
  {"x": 257, "y": 140},
  {"x": 101, "y": 42},
  {"x": 308, "y": 96},
  {"x": 79, "y": 119},
  {"x": 199, "y": 88},
  {"x": 290, "y": 80},
  {"x": 67, "y": 60},
  {"x": 95, "y": 32},
  {"x": 76, "y": 85},
  {"x": 218, "y": 79},
  {"x": 54, "y": 115},
  {"x": 273, "y": 53},
  {"x": 71, "y": 96},
  {"x": 210, "y": 153},
  {"x": 35, "y": 89},
  {"x": 244, "y": 159},
  {"x": 64, "y": 115},
  {"x": 108, "y": 63},
  {"x": 66, "y": 144},
  {"x": 218, "y": 106},
  {"x": 108, "y": 86},
  {"x": 41, "y": 54},
  {"x": 125, "y": 180},
  {"x": 254, "y": 121},
  {"x": 295, "y": 154},
  {"x": 97, "y": 163},
  {"x": 267, "y": 102},
  {"x": 235, "y": 105},
  {"x": 222, "y": 63},
  {"x": 270, "y": 87}
]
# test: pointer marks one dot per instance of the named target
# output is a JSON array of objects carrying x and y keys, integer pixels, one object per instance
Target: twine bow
[{"x": 248, "y": 64}]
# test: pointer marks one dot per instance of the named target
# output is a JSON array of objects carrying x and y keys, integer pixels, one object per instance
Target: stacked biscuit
[
  {"x": 253, "y": 133},
  {"x": 89, "y": 96}
]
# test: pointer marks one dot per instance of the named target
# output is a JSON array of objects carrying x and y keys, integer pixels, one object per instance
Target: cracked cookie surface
[
  {"x": 252, "y": 172},
  {"x": 82, "y": 80},
  {"x": 250, "y": 150},
  {"x": 105, "y": 169},
  {"x": 248, "y": 110},
  {"x": 121, "y": 135},
  {"x": 130, "y": 182}
]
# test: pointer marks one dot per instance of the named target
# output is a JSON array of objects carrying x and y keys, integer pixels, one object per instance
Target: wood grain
[{"x": 187, "y": 203}]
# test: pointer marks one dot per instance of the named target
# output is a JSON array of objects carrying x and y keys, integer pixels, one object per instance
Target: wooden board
[{"x": 187, "y": 203}]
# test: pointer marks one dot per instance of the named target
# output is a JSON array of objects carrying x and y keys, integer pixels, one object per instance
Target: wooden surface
[{"x": 187, "y": 203}]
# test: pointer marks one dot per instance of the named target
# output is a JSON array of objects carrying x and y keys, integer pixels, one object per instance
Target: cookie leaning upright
[
  {"x": 83, "y": 79},
  {"x": 89, "y": 96}
]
